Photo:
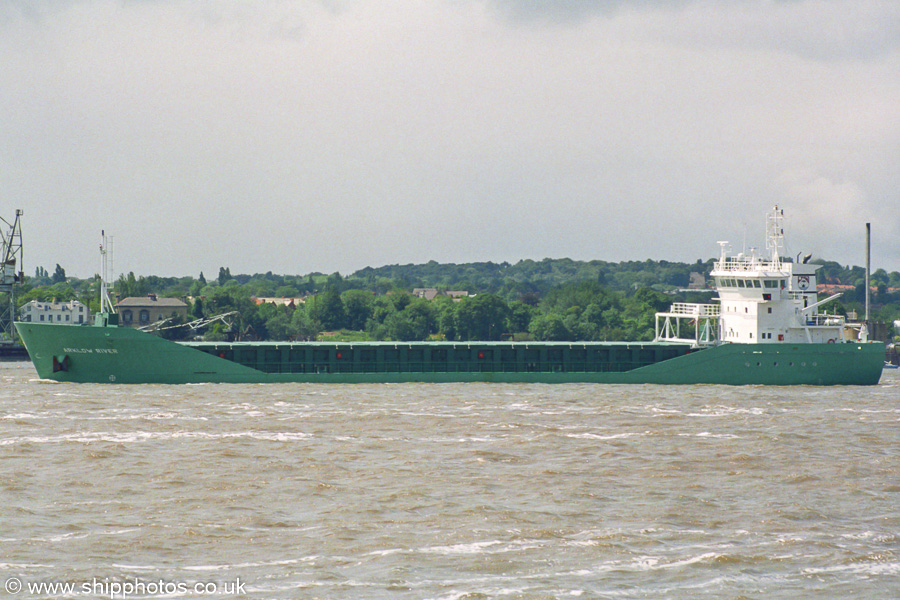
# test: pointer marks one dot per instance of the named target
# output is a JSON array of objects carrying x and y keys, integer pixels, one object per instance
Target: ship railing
[
  {"x": 824, "y": 320},
  {"x": 735, "y": 264},
  {"x": 701, "y": 320},
  {"x": 691, "y": 309}
]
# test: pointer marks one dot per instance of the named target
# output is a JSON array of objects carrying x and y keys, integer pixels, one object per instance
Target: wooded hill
[{"x": 552, "y": 299}]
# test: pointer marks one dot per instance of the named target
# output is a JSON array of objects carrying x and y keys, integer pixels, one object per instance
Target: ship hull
[{"x": 90, "y": 354}]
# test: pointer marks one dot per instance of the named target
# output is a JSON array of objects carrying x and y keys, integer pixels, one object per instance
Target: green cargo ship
[
  {"x": 111, "y": 354},
  {"x": 765, "y": 329}
]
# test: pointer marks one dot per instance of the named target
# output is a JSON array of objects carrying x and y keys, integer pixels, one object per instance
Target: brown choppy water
[{"x": 450, "y": 491}]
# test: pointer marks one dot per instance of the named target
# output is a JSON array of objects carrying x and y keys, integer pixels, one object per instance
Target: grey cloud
[
  {"x": 817, "y": 30},
  {"x": 573, "y": 10},
  {"x": 453, "y": 130}
]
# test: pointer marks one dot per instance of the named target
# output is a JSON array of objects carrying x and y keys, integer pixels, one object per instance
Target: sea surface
[{"x": 448, "y": 491}]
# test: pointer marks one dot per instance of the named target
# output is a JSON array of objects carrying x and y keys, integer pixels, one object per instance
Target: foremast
[{"x": 107, "y": 315}]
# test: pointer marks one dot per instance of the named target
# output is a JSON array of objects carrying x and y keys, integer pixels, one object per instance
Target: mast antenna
[
  {"x": 868, "y": 266},
  {"x": 775, "y": 235},
  {"x": 105, "y": 273}
]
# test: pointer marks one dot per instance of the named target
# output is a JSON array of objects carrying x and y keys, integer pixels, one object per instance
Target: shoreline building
[
  {"x": 72, "y": 312},
  {"x": 140, "y": 311}
]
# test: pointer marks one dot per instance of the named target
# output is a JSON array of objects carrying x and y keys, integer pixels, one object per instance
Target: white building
[{"x": 72, "y": 312}]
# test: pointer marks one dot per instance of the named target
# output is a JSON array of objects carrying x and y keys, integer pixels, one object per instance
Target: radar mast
[
  {"x": 105, "y": 273},
  {"x": 775, "y": 235}
]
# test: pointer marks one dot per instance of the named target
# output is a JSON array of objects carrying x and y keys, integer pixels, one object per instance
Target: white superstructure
[{"x": 761, "y": 300}]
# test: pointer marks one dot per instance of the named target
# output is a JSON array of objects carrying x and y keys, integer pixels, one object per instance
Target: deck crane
[{"x": 11, "y": 255}]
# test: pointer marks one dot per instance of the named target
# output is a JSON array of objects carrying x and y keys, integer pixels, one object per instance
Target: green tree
[
  {"x": 639, "y": 313},
  {"x": 46, "y": 294},
  {"x": 279, "y": 326},
  {"x": 41, "y": 277},
  {"x": 549, "y": 328},
  {"x": 415, "y": 322},
  {"x": 591, "y": 323},
  {"x": 276, "y": 321},
  {"x": 195, "y": 289},
  {"x": 287, "y": 291},
  {"x": 236, "y": 298},
  {"x": 400, "y": 299},
  {"x": 59, "y": 275},
  {"x": 358, "y": 307},
  {"x": 382, "y": 308},
  {"x": 520, "y": 316},
  {"x": 446, "y": 317},
  {"x": 335, "y": 283},
  {"x": 216, "y": 332},
  {"x": 130, "y": 286},
  {"x": 328, "y": 309},
  {"x": 482, "y": 317},
  {"x": 172, "y": 330},
  {"x": 303, "y": 324}
]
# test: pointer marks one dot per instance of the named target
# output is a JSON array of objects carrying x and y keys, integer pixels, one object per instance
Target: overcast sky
[{"x": 331, "y": 135}]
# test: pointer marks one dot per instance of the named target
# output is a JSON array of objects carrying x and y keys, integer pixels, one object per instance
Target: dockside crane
[{"x": 10, "y": 277}]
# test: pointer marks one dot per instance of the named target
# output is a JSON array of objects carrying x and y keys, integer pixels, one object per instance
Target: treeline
[
  {"x": 552, "y": 299},
  {"x": 574, "y": 311},
  {"x": 530, "y": 276}
]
